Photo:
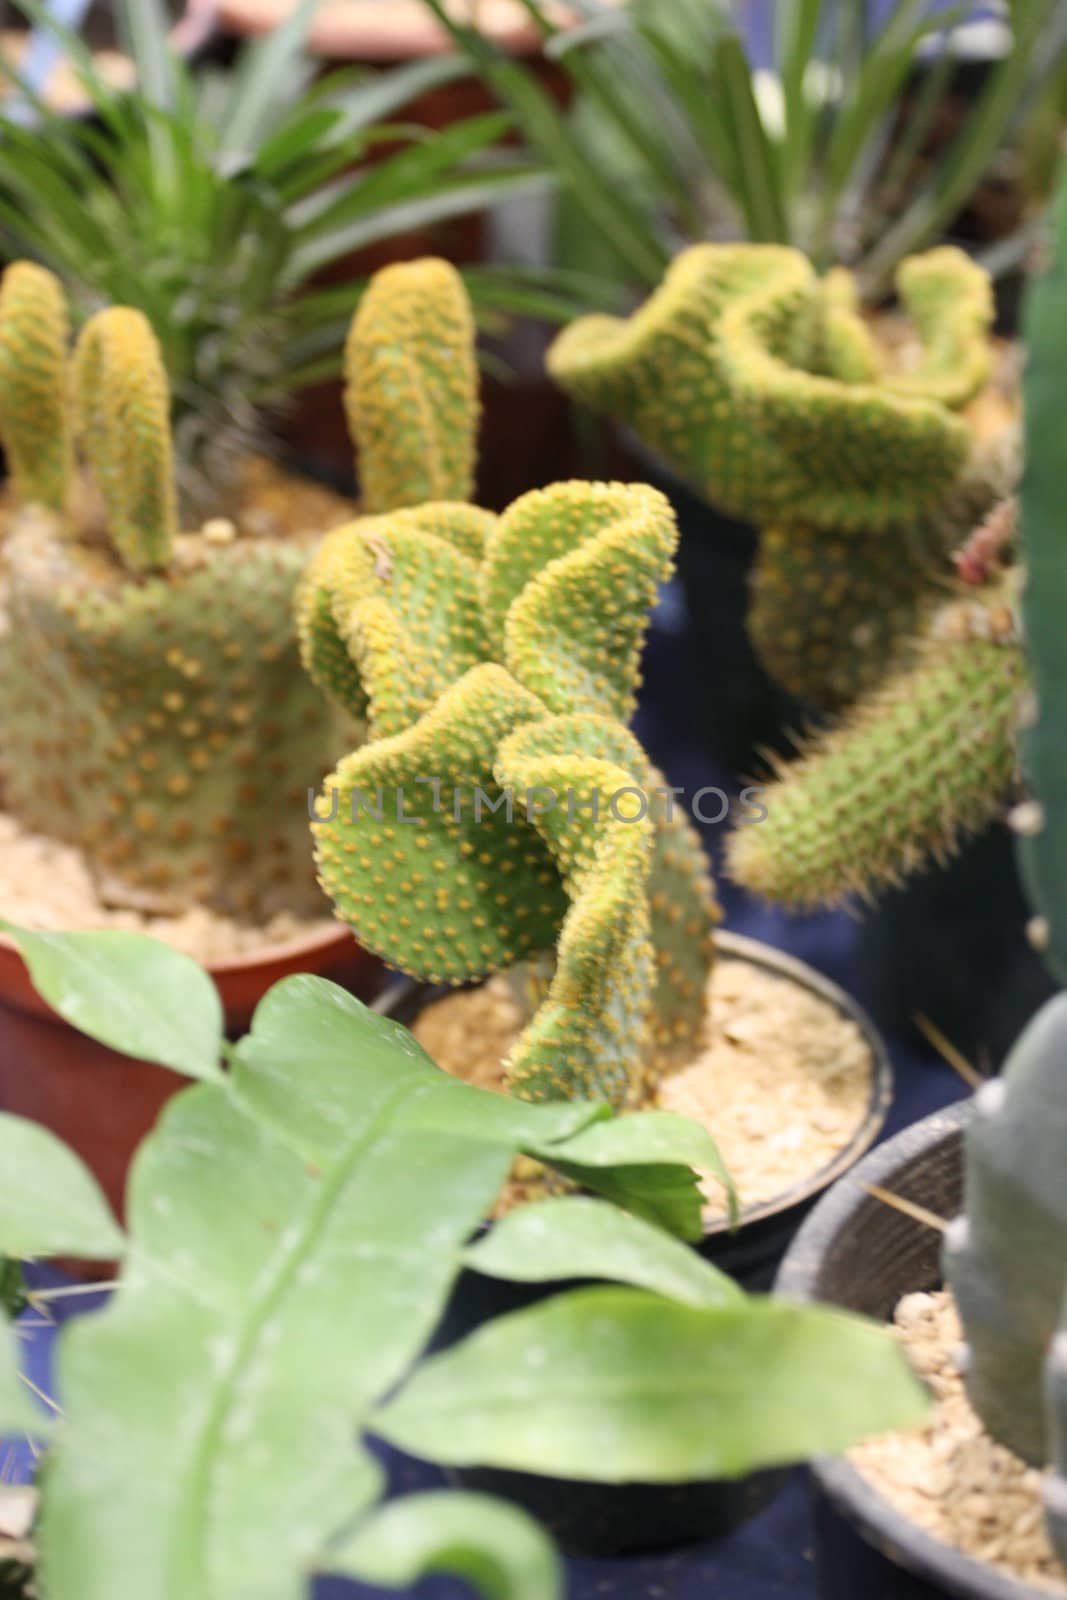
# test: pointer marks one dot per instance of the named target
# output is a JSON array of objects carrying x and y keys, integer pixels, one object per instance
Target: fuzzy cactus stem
[
  {"x": 122, "y": 404},
  {"x": 412, "y": 387},
  {"x": 34, "y": 410}
]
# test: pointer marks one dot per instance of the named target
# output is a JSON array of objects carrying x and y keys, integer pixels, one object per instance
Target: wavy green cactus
[
  {"x": 510, "y": 814},
  {"x": 153, "y": 711},
  {"x": 921, "y": 762},
  {"x": 1006, "y": 1255},
  {"x": 764, "y": 387},
  {"x": 500, "y": 810}
]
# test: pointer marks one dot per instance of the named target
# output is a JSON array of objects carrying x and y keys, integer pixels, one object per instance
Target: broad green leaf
[
  {"x": 270, "y": 1299},
  {"x": 130, "y": 992},
  {"x": 574, "y": 1237},
  {"x": 644, "y": 1163},
  {"x": 497, "y": 1548},
  {"x": 621, "y": 1386},
  {"x": 50, "y": 1204},
  {"x": 18, "y": 1414}
]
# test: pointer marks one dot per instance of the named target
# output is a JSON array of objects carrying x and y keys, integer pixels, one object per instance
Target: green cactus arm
[
  {"x": 660, "y": 371},
  {"x": 1005, "y": 1257},
  {"x": 720, "y": 372},
  {"x": 917, "y": 765},
  {"x": 122, "y": 405},
  {"x": 1043, "y": 529},
  {"x": 847, "y": 348},
  {"x": 950, "y": 300},
  {"x": 591, "y": 1035},
  {"x": 389, "y": 612},
  {"x": 684, "y": 915},
  {"x": 34, "y": 413},
  {"x": 455, "y": 888},
  {"x": 411, "y": 389},
  {"x": 574, "y": 627}
]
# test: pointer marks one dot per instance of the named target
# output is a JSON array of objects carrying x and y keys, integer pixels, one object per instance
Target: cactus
[
  {"x": 153, "y": 710},
  {"x": 921, "y": 762},
  {"x": 412, "y": 387},
  {"x": 500, "y": 810},
  {"x": 764, "y": 387},
  {"x": 1006, "y": 1255}
]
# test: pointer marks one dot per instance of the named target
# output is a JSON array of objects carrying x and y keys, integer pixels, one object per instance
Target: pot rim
[
  {"x": 740, "y": 947},
  {"x": 321, "y": 939},
  {"x": 879, "y": 1522}
]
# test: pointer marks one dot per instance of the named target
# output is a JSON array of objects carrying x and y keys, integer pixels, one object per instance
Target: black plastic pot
[
  {"x": 857, "y": 1252},
  {"x": 612, "y": 1519},
  {"x": 752, "y": 1251},
  {"x": 951, "y": 945}
]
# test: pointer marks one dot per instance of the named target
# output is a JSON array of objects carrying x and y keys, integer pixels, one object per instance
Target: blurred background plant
[
  {"x": 823, "y": 124},
  {"x": 215, "y": 202}
]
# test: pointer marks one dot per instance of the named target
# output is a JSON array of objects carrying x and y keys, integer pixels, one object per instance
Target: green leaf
[
  {"x": 497, "y": 1548},
  {"x": 621, "y": 1386},
  {"x": 573, "y": 1237},
  {"x": 270, "y": 1299},
  {"x": 261, "y": 81},
  {"x": 18, "y": 1414},
  {"x": 130, "y": 992},
  {"x": 644, "y": 1163},
  {"x": 50, "y": 1204}
]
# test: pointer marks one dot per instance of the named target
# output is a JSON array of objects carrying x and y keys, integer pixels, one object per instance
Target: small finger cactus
[
  {"x": 152, "y": 709},
  {"x": 917, "y": 765},
  {"x": 500, "y": 810},
  {"x": 763, "y": 386},
  {"x": 1006, "y": 1256}
]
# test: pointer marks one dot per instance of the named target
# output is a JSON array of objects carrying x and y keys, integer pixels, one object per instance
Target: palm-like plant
[
  {"x": 677, "y": 135},
  {"x": 212, "y": 202}
]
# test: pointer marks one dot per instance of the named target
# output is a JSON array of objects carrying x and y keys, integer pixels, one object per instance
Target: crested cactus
[
  {"x": 764, "y": 387},
  {"x": 153, "y": 711},
  {"x": 500, "y": 810},
  {"x": 1006, "y": 1255},
  {"x": 918, "y": 764}
]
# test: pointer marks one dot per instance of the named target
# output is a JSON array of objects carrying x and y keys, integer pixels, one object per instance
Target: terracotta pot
[
  {"x": 386, "y": 30},
  {"x": 857, "y": 1252},
  {"x": 101, "y": 1103},
  {"x": 752, "y": 1251}
]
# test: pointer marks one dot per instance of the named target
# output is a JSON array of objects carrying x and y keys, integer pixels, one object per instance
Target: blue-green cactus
[{"x": 1006, "y": 1256}]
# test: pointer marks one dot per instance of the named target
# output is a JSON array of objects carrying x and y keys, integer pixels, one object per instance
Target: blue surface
[{"x": 771, "y": 1557}]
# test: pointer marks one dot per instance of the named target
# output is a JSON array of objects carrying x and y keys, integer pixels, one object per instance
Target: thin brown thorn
[
  {"x": 908, "y": 1207},
  {"x": 948, "y": 1052}
]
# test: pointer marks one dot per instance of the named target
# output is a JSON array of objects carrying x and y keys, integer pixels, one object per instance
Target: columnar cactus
[
  {"x": 500, "y": 810},
  {"x": 152, "y": 711},
  {"x": 917, "y": 765},
  {"x": 1006, "y": 1256},
  {"x": 763, "y": 386}
]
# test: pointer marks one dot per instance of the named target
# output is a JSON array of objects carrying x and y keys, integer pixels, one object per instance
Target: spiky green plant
[
  {"x": 762, "y": 384},
  {"x": 1006, "y": 1256},
  {"x": 152, "y": 709},
  {"x": 213, "y": 203},
  {"x": 916, "y": 766},
  {"x": 500, "y": 810}
]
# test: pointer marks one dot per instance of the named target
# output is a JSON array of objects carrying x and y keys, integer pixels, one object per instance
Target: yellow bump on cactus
[
  {"x": 411, "y": 389},
  {"x": 122, "y": 403},
  {"x": 950, "y": 299},
  {"x": 34, "y": 412}
]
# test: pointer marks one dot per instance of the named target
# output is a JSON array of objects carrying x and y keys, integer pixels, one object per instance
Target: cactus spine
[
  {"x": 153, "y": 710},
  {"x": 765, "y": 388},
  {"x": 1006, "y": 1256},
  {"x": 494, "y": 661}
]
